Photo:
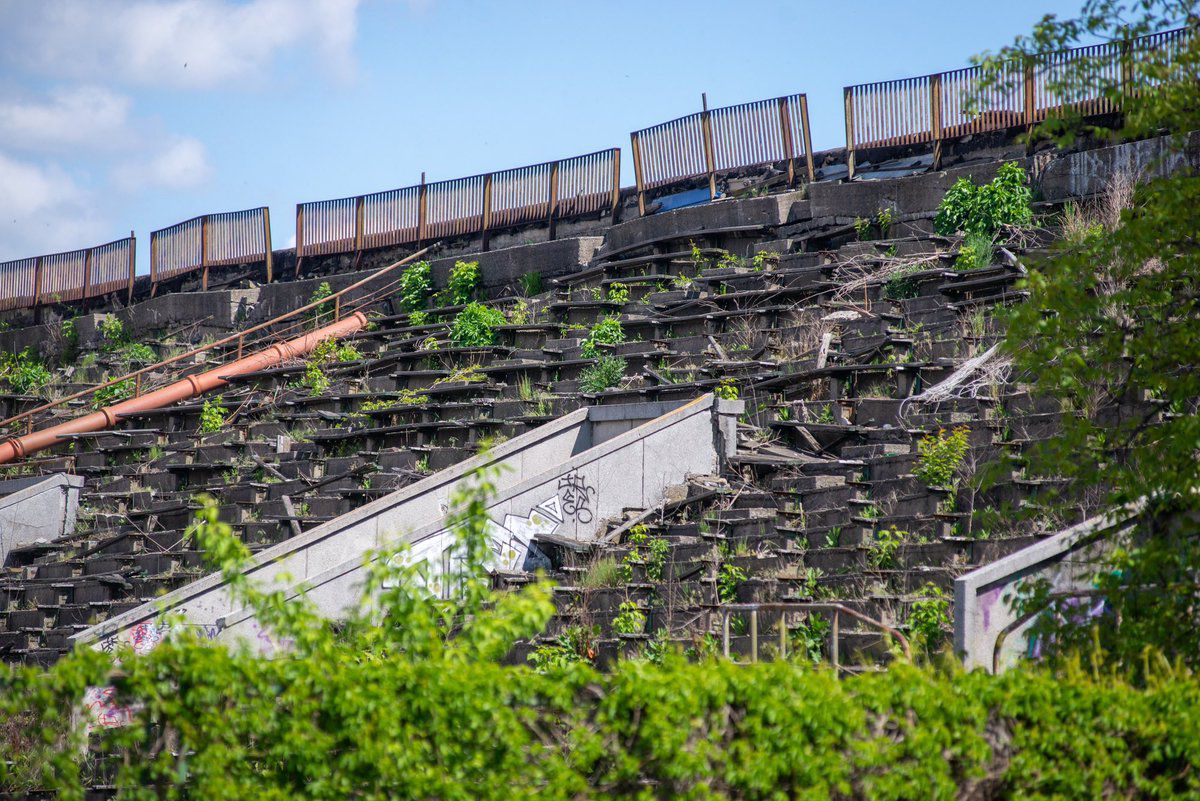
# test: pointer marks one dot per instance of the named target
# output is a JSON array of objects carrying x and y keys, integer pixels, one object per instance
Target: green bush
[
  {"x": 474, "y": 326},
  {"x": 416, "y": 284},
  {"x": 322, "y": 313},
  {"x": 25, "y": 373},
  {"x": 630, "y": 619},
  {"x": 107, "y": 396},
  {"x": 463, "y": 283},
  {"x": 618, "y": 293},
  {"x": 606, "y": 332},
  {"x": 212, "y": 416},
  {"x": 607, "y": 372},
  {"x": 975, "y": 252},
  {"x": 902, "y": 285},
  {"x": 986, "y": 209},
  {"x": 941, "y": 456},
  {"x": 727, "y": 389},
  {"x": 531, "y": 284},
  {"x": 929, "y": 617}
]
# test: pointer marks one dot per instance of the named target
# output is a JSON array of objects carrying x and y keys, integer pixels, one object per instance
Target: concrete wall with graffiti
[
  {"x": 991, "y": 631},
  {"x": 562, "y": 480}
]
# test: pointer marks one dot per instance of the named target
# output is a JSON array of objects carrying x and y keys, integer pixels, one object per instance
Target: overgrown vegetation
[
  {"x": 475, "y": 326},
  {"x": 24, "y": 372},
  {"x": 607, "y": 331},
  {"x": 212, "y": 416},
  {"x": 462, "y": 284},
  {"x": 416, "y": 287},
  {"x": 606, "y": 373},
  {"x": 942, "y": 455},
  {"x": 969, "y": 208}
]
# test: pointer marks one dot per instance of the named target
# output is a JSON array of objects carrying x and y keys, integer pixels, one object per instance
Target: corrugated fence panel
[
  {"x": 110, "y": 267},
  {"x": 1082, "y": 79},
  {"x": 391, "y": 218},
  {"x": 62, "y": 276},
  {"x": 176, "y": 250},
  {"x": 585, "y": 183},
  {"x": 521, "y": 195},
  {"x": 237, "y": 237},
  {"x": 672, "y": 151},
  {"x": 454, "y": 207},
  {"x": 17, "y": 283},
  {"x": 745, "y": 135},
  {"x": 327, "y": 226}
]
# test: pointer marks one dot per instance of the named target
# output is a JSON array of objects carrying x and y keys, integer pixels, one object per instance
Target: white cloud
[
  {"x": 177, "y": 43},
  {"x": 82, "y": 117},
  {"x": 182, "y": 164},
  {"x": 42, "y": 210}
]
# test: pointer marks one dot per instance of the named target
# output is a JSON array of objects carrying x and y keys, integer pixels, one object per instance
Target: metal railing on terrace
[
  {"x": 70, "y": 276},
  {"x": 211, "y": 240},
  {"x": 479, "y": 204},
  {"x": 718, "y": 140},
  {"x": 933, "y": 109}
]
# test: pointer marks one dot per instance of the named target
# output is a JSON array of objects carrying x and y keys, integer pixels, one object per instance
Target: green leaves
[
  {"x": 986, "y": 209},
  {"x": 474, "y": 326},
  {"x": 416, "y": 285}
]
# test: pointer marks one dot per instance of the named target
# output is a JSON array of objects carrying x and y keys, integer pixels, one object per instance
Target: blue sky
[{"x": 139, "y": 114}]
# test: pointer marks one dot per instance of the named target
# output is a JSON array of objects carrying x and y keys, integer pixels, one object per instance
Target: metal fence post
[
  {"x": 834, "y": 645},
  {"x": 1030, "y": 99},
  {"x": 486, "y": 221},
  {"x": 1126, "y": 56},
  {"x": 725, "y": 633},
  {"x": 637, "y": 172},
  {"x": 785, "y": 126},
  {"x": 358, "y": 223},
  {"x": 299, "y": 236},
  {"x": 753, "y": 635},
  {"x": 267, "y": 240},
  {"x": 87, "y": 274},
  {"x": 552, "y": 208},
  {"x": 848, "y": 97},
  {"x": 807, "y": 134},
  {"x": 204, "y": 252},
  {"x": 935, "y": 117},
  {"x": 422, "y": 204},
  {"x": 153, "y": 266},
  {"x": 37, "y": 281},
  {"x": 616, "y": 186},
  {"x": 132, "y": 259},
  {"x": 709, "y": 162}
]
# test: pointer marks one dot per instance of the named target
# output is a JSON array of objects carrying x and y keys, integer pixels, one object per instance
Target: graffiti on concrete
[
  {"x": 576, "y": 496},
  {"x": 102, "y": 711},
  {"x": 444, "y": 561}
]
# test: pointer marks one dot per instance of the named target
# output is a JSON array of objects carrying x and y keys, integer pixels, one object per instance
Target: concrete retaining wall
[
  {"x": 563, "y": 480},
  {"x": 984, "y": 598},
  {"x": 37, "y": 508}
]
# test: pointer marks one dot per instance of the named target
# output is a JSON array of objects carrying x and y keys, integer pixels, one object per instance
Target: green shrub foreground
[{"x": 411, "y": 698}]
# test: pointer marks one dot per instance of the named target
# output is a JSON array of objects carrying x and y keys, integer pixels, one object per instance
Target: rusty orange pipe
[{"x": 190, "y": 387}]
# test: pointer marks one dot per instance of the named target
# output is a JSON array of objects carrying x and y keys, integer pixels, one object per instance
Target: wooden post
[
  {"x": 552, "y": 208},
  {"x": 637, "y": 173},
  {"x": 709, "y": 162},
  {"x": 87, "y": 274},
  {"x": 299, "y": 236},
  {"x": 807, "y": 134},
  {"x": 422, "y": 203},
  {"x": 267, "y": 240},
  {"x": 204, "y": 252},
  {"x": 132, "y": 260},
  {"x": 486, "y": 221},
  {"x": 616, "y": 183},
  {"x": 848, "y": 97},
  {"x": 725, "y": 633},
  {"x": 935, "y": 117},
  {"x": 783, "y": 635},
  {"x": 785, "y": 127}
]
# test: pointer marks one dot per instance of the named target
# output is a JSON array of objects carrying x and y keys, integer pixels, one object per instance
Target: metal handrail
[
  {"x": 725, "y": 610},
  {"x": 239, "y": 337},
  {"x": 1025, "y": 618}
]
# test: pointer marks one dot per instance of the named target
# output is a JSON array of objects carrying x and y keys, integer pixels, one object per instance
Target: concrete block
[
  {"x": 501, "y": 270},
  {"x": 37, "y": 508},
  {"x": 1088, "y": 172},
  {"x": 915, "y": 194}
]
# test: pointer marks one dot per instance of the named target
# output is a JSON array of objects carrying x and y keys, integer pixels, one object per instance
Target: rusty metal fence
[
  {"x": 479, "y": 204},
  {"x": 71, "y": 276},
  {"x": 211, "y": 240},
  {"x": 931, "y": 109},
  {"x": 717, "y": 140}
]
